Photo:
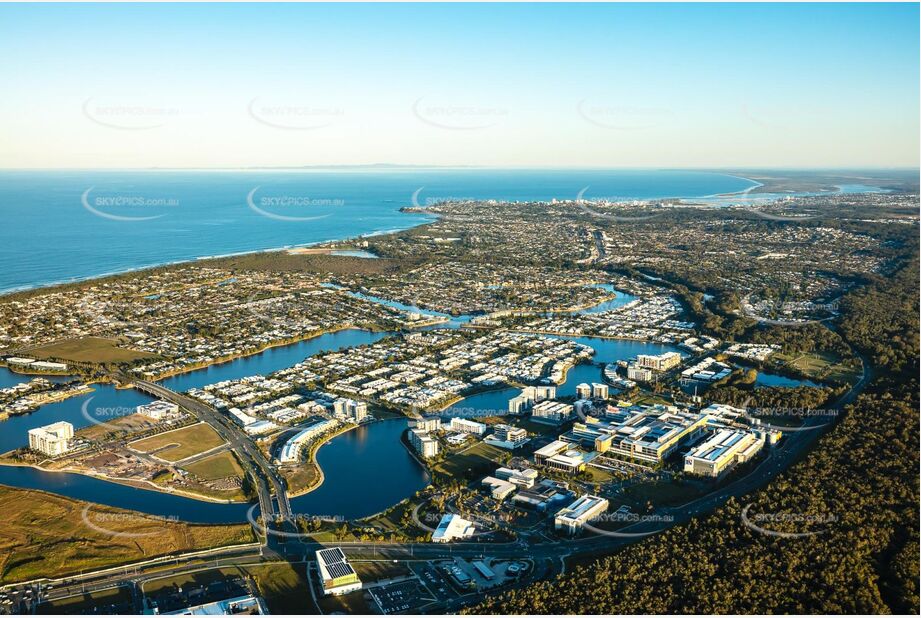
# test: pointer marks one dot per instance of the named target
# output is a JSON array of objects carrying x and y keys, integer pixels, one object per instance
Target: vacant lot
[
  {"x": 88, "y": 350},
  {"x": 44, "y": 535},
  {"x": 823, "y": 366},
  {"x": 217, "y": 466},
  {"x": 180, "y": 443},
  {"x": 472, "y": 462}
]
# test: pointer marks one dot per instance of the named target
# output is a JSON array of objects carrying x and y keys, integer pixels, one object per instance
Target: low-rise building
[
  {"x": 723, "y": 450},
  {"x": 544, "y": 453},
  {"x": 159, "y": 410},
  {"x": 498, "y": 488},
  {"x": 336, "y": 573},
  {"x": 52, "y": 440},
  {"x": 453, "y": 527},
  {"x": 573, "y": 517},
  {"x": 554, "y": 412},
  {"x": 507, "y": 437},
  {"x": 465, "y": 425},
  {"x": 521, "y": 478},
  {"x": 237, "y": 606}
]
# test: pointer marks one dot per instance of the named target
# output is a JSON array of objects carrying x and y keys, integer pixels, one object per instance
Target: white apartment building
[
  {"x": 53, "y": 439},
  {"x": 465, "y": 425},
  {"x": 425, "y": 445},
  {"x": 659, "y": 362},
  {"x": 552, "y": 412}
]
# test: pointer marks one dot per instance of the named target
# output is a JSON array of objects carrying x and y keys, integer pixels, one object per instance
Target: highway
[
  {"x": 263, "y": 475},
  {"x": 300, "y": 549}
]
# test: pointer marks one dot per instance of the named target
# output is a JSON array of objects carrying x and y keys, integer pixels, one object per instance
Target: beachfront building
[
  {"x": 159, "y": 410},
  {"x": 425, "y": 444},
  {"x": 600, "y": 391},
  {"x": 554, "y": 412},
  {"x": 464, "y": 425},
  {"x": 336, "y": 573},
  {"x": 453, "y": 527},
  {"x": 52, "y": 440},
  {"x": 584, "y": 390},
  {"x": 722, "y": 451},
  {"x": 572, "y": 518}
]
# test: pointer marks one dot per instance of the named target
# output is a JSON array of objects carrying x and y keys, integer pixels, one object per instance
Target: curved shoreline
[{"x": 47, "y": 285}]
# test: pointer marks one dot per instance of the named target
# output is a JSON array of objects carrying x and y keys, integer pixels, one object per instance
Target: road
[
  {"x": 300, "y": 550},
  {"x": 264, "y": 476}
]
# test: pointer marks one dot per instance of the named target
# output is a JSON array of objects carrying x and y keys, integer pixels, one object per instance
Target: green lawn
[
  {"x": 89, "y": 350},
  {"x": 180, "y": 443},
  {"x": 217, "y": 466},
  {"x": 472, "y": 462},
  {"x": 822, "y": 366}
]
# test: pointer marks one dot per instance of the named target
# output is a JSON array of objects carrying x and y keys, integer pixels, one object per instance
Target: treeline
[{"x": 860, "y": 480}]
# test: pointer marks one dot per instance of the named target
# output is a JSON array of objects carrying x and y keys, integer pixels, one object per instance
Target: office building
[
  {"x": 336, "y": 573},
  {"x": 498, "y": 488},
  {"x": 453, "y": 527},
  {"x": 520, "y": 478},
  {"x": 52, "y": 440},
  {"x": 507, "y": 437},
  {"x": 425, "y": 445},
  {"x": 544, "y": 496},
  {"x": 572, "y": 518},
  {"x": 237, "y": 606},
  {"x": 723, "y": 450},
  {"x": 544, "y": 453},
  {"x": 159, "y": 410}
]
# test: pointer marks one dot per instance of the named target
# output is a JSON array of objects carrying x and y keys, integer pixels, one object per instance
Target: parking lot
[{"x": 399, "y": 598}]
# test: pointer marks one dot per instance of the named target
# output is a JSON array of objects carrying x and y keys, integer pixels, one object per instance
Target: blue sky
[{"x": 548, "y": 85}]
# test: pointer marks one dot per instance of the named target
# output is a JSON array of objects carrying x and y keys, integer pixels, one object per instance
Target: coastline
[{"x": 63, "y": 283}]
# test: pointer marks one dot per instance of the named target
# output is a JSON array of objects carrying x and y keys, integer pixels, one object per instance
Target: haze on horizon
[{"x": 661, "y": 85}]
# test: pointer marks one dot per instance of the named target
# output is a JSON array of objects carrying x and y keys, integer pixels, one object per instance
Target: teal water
[{"x": 66, "y": 225}]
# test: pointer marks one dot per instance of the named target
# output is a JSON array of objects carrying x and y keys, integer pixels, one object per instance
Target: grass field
[
  {"x": 282, "y": 585},
  {"x": 217, "y": 466},
  {"x": 475, "y": 461},
  {"x": 89, "y": 350},
  {"x": 822, "y": 366},
  {"x": 44, "y": 535},
  {"x": 180, "y": 443},
  {"x": 85, "y": 603}
]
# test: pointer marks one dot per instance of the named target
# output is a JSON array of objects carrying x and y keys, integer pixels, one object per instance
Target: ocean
[{"x": 60, "y": 226}]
